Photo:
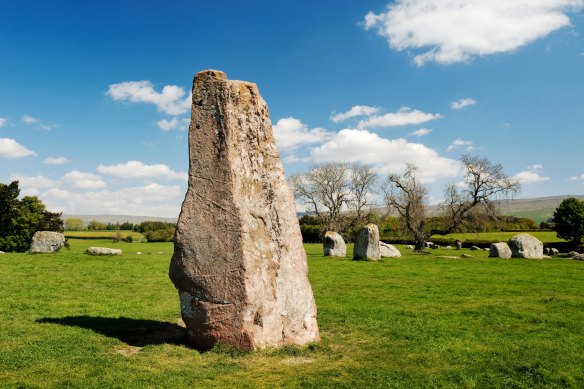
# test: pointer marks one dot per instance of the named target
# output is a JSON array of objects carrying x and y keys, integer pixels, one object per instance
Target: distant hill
[{"x": 119, "y": 218}]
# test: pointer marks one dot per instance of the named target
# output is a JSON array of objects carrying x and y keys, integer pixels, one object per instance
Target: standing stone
[
  {"x": 458, "y": 244},
  {"x": 47, "y": 242},
  {"x": 334, "y": 245},
  {"x": 239, "y": 264},
  {"x": 526, "y": 246},
  {"x": 500, "y": 250},
  {"x": 367, "y": 243},
  {"x": 388, "y": 251}
]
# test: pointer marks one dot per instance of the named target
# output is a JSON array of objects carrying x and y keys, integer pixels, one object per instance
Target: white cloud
[
  {"x": 459, "y": 104},
  {"x": 55, "y": 161},
  {"x": 167, "y": 125},
  {"x": 531, "y": 175},
  {"x": 404, "y": 116},
  {"x": 10, "y": 149},
  {"x": 357, "y": 110},
  {"x": 461, "y": 143},
  {"x": 149, "y": 200},
  {"x": 30, "y": 185},
  {"x": 578, "y": 178},
  {"x": 27, "y": 119},
  {"x": 450, "y": 31},
  {"x": 137, "y": 169},
  {"x": 421, "y": 132},
  {"x": 291, "y": 133},
  {"x": 82, "y": 180},
  {"x": 350, "y": 145},
  {"x": 173, "y": 99},
  {"x": 3, "y": 122}
]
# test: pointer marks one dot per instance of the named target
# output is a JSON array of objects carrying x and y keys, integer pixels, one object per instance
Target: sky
[{"x": 95, "y": 96}]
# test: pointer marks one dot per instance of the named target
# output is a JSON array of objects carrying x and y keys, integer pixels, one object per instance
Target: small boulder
[
  {"x": 465, "y": 256},
  {"x": 436, "y": 246},
  {"x": 475, "y": 248},
  {"x": 367, "y": 243},
  {"x": 334, "y": 245},
  {"x": 573, "y": 253},
  {"x": 409, "y": 247},
  {"x": 2, "y": 252},
  {"x": 429, "y": 244},
  {"x": 554, "y": 251},
  {"x": 578, "y": 257},
  {"x": 458, "y": 244},
  {"x": 103, "y": 251},
  {"x": 500, "y": 250},
  {"x": 547, "y": 250},
  {"x": 47, "y": 242},
  {"x": 526, "y": 246},
  {"x": 448, "y": 248},
  {"x": 388, "y": 251}
]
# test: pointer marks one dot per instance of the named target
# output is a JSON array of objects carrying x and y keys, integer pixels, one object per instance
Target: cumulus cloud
[
  {"x": 173, "y": 99},
  {"x": 137, "y": 169},
  {"x": 27, "y": 119},
  {"x": 450, "y": 31},
  {"x": 421, "y": 132},
  {"x": 82, "y": 180},
  {"x": 357, "y": 110},
  {"x": 148, "y": 200},
  {"x": 291, "y": 133},
  {"x": 31, "y": 184},
  {"x": 577, "y": 178},
  {"x": 55, "y": 161},
  {"x": 3, "y": 122},
  {"x": 459, "y": 104},
  {"x": 461, "y": 143},
  {"x": 167, "y": 125},
  {"x": 404, "y": 116},
  {"x": 352, "y": 145},
  {"x": 531, "y": 175},
  {"x": 10, "y": 149}
]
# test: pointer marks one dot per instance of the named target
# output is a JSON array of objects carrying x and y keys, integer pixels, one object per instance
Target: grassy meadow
[
  {"x": 423, "y": 320},
  {"x": 544, "y": 236}
]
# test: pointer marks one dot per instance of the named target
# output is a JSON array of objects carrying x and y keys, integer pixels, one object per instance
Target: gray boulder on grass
[
  {"x": 526, "y": 246},
  {"x": 388, "y": 251},
  {"x": 500, "y": 250},
  {"x": 573, "y": 253},
  {"x": 2, "y": 252},
  {"x": 103, "y": 251},
  {"x": 367, "y": 243},
  {"x": 465, "y": 256},
  {"x": 47, "y": 242},
  {"x": 475, "y": 248},
  {"x": 409, "y": 247},
  {"x": 334, "y": 245},
  {"x": 554, "y": 251}
]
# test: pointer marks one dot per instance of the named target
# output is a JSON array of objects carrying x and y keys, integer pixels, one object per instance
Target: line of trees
[{"x": 340, "y": 196}]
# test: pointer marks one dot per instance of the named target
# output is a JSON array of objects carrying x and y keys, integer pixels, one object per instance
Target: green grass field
[
  {"x": 423, "y": 320},
  {"x": 101, "y": 234},
  {"x": 544, "y": 236}
]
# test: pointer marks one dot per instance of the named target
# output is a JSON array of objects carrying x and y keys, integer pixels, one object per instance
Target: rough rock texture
[
  {"x": 239, "y": 264},
  {"x": 103, "y": 251},
  {"x": 367, "y": 243},
  {"x": 526, "y": 246},
  {"x": 500, "y": 250},
  {"x": 334, "y": 245},
  {"x": 388, "y": 251},
  {"x": 47, "y": 242}
]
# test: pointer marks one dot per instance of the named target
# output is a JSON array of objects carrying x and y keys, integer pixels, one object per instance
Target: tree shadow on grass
[{"x": 134, "y": 332}]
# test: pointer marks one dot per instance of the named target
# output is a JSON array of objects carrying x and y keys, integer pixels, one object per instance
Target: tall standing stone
[
  {"x": 239, "y": 264},
  {"x": 367, "y": 243}
]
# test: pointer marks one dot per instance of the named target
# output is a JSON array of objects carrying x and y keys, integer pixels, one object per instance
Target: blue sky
[{"x": 94, "y": 96}]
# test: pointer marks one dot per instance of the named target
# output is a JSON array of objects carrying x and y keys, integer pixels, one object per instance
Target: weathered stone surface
[
  {"x": 526, "y": 246},
  {"x": 500, "y": 250},
  {"x": 239, "y": 264},
  {"x": 579, "y": 257},
  {"x": 103, "y": 251},
  {"x": 573, "y": 253},
  {"x": 554, "y": 251},
  {"x": 388, "y": 251},
  {"x": 458, "y": 244},
  {"x": 47, "y": 242},
  {"x": 367, "y": 243},
  {"x": 334, "y": 245}
]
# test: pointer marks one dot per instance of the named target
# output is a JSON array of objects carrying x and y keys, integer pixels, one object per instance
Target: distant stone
[
  {"x": 409, "y": 247},
  {"x": 578, "y": 257},
  {"x": 334, "y": 245},
  {"x": 367, "y": 243},
  {"x": 448, "y": 248},
  {"x": 554, "y": 251},
  {"x": 526, "y": 246},
  {"x": 458, "y": 244},
  {"x": 547, "y": 250},
  {"x": 573, "y": 253},
  {"x": 388, "y": 251},
  {"x": 500, "y": 250},
  {"x": 103, "y": 251},
  {"x": 2, "y": 252},
  {"x": 475, "y": 248},
  {"x": 139, "y": 252},
  {"x": 436, "y": 246},
  {"x": 47, "y": 242},
  {"x": 465, "y": 256},
  {"x": 429, "y": 244},
  {"x": 547, "y": 257}
]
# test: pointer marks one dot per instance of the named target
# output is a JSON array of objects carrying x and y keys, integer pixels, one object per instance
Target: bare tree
[
  {"x": 361, "y": 185},
  {"x": 484, "y": 182},
  {"x": 407, "y": 196},
  {"x": 325, "y": 190}
]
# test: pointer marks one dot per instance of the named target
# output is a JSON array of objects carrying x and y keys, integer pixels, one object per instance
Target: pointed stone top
[{"x": 213, "y": 74}]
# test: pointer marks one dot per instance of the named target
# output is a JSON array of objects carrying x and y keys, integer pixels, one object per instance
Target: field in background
[
  {"x": 101, "y": 234},
  {"x": 544, "y": 236},
  {"x": 73, "y": 320}
]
